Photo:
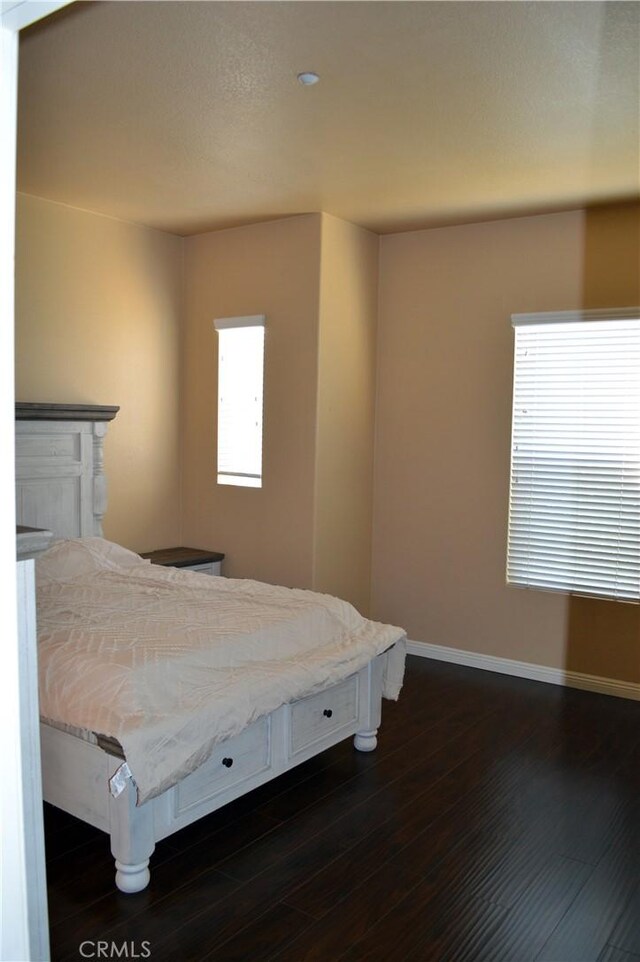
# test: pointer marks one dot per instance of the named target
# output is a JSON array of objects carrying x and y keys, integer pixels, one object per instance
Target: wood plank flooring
[{"x": 498, "y": 821}]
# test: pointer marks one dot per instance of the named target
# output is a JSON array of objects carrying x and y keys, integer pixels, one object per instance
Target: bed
[{"x": 141, "y": 776}]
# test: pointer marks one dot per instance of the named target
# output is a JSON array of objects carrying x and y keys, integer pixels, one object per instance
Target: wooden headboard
[{"x": 60, "y": 481}]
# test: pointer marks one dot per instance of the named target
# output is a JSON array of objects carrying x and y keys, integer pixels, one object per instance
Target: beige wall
[
  {"x": 109, "y": 320},
  {"x": 273, "y": 269},
  {"x": 315, "y": 278},
  {"x": 443, "y": 432},
  {"x": 97, "y": 320},
  {"x": 99, "y": 311},
  {"x": 345, "y": 411}
]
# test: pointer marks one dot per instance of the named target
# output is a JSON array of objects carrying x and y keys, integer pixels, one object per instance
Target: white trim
[
  {"x": 524, "y": 669},
  {"x": 250, "y": 320},
  {"x": 21, "y": 13},
  {"x": 23, "y": 921},
  {"x": 572, "y": 317}
]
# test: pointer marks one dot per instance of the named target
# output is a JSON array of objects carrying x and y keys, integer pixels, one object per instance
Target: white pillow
[{"x": 66, "y": 560}]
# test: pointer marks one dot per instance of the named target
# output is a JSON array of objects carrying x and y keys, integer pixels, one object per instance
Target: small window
[
  {"x": 574, "y": 513},
  {"x": 240, "y": 380}
]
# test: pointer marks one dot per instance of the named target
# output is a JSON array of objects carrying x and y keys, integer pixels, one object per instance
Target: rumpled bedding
[{"x": 172, "y": 662}]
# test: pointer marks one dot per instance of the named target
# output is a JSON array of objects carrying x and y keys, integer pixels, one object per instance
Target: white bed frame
[{"x": 61, "y": 486}]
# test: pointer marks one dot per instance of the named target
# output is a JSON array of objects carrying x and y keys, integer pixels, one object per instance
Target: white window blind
[
  {"x": 574, "y": 513},
  {"x": 240, "y": 385}
]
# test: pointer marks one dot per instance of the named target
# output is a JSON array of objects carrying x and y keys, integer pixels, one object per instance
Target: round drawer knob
[
  {"x": 327, "y": 713},
  {"x": 227, "y": 762}
]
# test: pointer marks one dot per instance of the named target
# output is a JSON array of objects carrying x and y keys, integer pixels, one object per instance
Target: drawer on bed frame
[
  {"x": 320, "y": 717},
  {"x": 232, "y": 763}
]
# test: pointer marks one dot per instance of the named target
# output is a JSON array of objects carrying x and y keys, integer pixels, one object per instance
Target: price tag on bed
[{"x": 118, "y": 782}]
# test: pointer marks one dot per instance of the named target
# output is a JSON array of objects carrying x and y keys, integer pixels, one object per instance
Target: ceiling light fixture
[{"x": 308, "y": 78}]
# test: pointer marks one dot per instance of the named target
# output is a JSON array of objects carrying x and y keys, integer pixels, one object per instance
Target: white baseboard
[{"x": 523, "y": 669}]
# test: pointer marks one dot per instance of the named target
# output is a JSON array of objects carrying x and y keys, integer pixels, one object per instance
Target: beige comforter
[{"x": 171, "y": 662}]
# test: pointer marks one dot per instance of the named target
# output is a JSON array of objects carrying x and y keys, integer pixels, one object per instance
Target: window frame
[
  {"x": 524, "y": 536},
  {"x": 234, "y": 477}
]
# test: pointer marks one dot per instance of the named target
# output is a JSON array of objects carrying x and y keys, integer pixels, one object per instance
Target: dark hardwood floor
[{"x": 498, "y": 821}]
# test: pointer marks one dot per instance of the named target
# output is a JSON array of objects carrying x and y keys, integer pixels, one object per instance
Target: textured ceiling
[{"x": 188, "y": 116}]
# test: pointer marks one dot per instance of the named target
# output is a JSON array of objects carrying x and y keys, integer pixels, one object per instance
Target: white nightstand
[{"x": 191, "y": 559}]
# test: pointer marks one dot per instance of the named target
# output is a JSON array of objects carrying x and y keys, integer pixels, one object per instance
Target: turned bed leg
[
  {"x": 366, "y": 741},
  {"x": 132, "y": 841},
  {"x": 132, "y": 878}
]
